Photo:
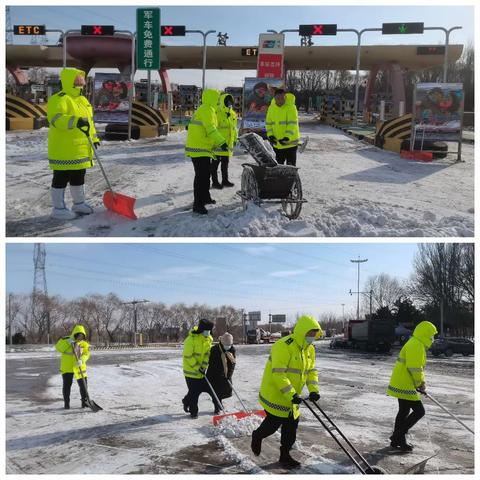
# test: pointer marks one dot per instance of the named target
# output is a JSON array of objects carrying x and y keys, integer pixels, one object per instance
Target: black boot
[
  {"x": 216, "y": 185},
  {"x": 214, "y": 175},
  {"x": 210, "y": 201},
  {"x": 66, "y": 404},
  {"x": 226, "y": 183},
  {"x": 400, "y": 442},
  {"x": 200, "y": 209},
  {"x": 256, "y": 444},
  {"x": 286, "y": 460},
  {"x": 84, "y": 403},
  {"x": 186, "y": 408},
  {"x": 224, "y": 168}
]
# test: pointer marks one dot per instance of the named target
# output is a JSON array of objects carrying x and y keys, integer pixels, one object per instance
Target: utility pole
[
  {"x": 358, "y": 262},
  {"x": 10, "y": 319},
  {"x": 135, "y": 303},
  {"x": 343, "y": 317}
]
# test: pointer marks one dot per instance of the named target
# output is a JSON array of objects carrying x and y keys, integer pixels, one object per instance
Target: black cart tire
[
  {"x": 290, "y": 207},
  {"x": 249, "y": 187}
]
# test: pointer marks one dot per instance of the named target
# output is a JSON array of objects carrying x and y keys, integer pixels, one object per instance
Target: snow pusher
[
  {"x": 116, "y": 202},
  {"x": 90, "y": 403},
  {"x": 238, "y": 415},
  {"x": 343, "y": 442}
]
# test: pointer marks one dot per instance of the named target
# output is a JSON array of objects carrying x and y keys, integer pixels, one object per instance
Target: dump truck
[{"x": 367, "y": 335}]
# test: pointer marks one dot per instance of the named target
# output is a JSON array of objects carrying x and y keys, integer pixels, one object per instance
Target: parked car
[{"x": 451, "y": 345}]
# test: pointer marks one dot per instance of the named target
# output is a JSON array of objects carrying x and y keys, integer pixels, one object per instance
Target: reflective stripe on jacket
[
  {"x": 282, "y": 122},
  {"x": 202, "y": 134},
  {"x": 196, "y": 353},
  {"x": 289, "y": 368},
  {"x": 409, "y": 370},
  {"x": 68, "y": 362},
  {"x": 227, "y": 125},
  {"x": 68, "y": 147}
]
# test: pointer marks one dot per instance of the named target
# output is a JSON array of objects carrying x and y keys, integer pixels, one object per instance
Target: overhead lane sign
[{"x": 148, "y": 38}]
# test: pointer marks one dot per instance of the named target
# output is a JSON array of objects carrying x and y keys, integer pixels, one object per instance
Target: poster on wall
[
  {"x": 270, "y": 55},
  {"x": 112, "y": 98},
  {"x": 257, "y": 95},
  {"x": 438, "y": 111}
]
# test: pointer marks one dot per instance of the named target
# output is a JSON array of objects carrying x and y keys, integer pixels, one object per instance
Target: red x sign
[
  {"x": 168, "y": 30},
  {"x": 318, "y": 29},
  {"x": 97, "y": 30}
]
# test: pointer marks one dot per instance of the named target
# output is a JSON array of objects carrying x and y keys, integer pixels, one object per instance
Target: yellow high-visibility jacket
[
  {"x": 196, "y": 353},
  {"x": 68, "y": 362},
  {"x": 227, "y": 125},
  {"x": 290, "y": 366},
  {"x": 203, "y": 134},
  {"x": 68, "y": 147},
  {"x": 282, "y": 122},
  {"x": 408, "y": 373}
]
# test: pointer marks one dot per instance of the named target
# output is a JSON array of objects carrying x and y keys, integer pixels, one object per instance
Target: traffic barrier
[
  {"x": 18, "y": 107},
  {"x": 393, "y": 144},
  {"x": 19, "y": 123},
  {"x": 399, "y": 127},
  {"x": 148, "y": 131}
]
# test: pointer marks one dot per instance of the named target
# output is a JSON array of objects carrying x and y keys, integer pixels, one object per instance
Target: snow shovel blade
[
  {"x": 94, "y": 406},
  {"x": 119, "y": 203},
  {"x": 238, "y": 415}
]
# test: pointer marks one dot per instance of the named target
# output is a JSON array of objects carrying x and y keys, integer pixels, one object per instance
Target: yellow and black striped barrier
[
  {"x": 390, "y": 134},
  {"x": 24, "y": 115},
  {"x": 150, "y": 121}
]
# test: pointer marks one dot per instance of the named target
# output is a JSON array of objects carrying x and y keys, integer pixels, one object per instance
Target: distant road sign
[
  {"x": 250, "y": 52},
  {"x": 402, "y": 28},
  {"x": 29, "y": 30},
  {"x": 279, "y": 318},
  {"x": 98, "y": 30},
  {"x": 319, "y": 29},
  {"x": 254, "y": 316},
  {"x": 436, "y": 50}
]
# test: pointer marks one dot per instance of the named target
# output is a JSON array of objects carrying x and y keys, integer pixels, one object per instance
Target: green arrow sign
[{"x": 402, "y": 28}]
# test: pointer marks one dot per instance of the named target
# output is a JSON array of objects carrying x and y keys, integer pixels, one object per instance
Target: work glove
[
  {"x": 272, "y": 138},
  {"x": 82, "y": 122},
  {"x": 224, "y": 147},
  {"x": 422, "y": 389},
  {"x": 71, "y": 341},
  {"x": 96, "y": 144},
  {"x": 283, "y": 141},
  {"x": 296, "y": 400},
  {"x": 314, "y": 397},
  {"x": 79, "y": 362}
]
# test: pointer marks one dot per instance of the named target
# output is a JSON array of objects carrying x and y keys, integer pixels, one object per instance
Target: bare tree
[{"x": 386, "y": 291}]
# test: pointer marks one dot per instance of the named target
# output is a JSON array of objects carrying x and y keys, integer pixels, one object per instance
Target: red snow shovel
[
  {"x": 116, "y": 202},
  {"x": 238, "y": 415}
]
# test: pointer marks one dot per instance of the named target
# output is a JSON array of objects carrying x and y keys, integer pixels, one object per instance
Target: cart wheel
[
  {"x": 249, "y": 187},
  {"x": 375, "y": 471},
  {"x": 291, "y": 208}
]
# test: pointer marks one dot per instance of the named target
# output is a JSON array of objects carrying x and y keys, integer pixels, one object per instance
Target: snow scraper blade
[
  {"x": 116, "y": 202},
  {"x": 119, "y": 203},
  {"x": 238, "y": 415},
  {"x": 94, "y": 406}
]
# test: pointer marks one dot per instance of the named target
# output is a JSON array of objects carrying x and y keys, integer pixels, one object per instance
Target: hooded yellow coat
[
  {"x": 290, "y": 366},
  {"x": 282, "y": 122},
  {"x": 196, "y": 353},
  {"x": 227, "y": 125},
  {"x": 408, "y": 373},
  {"x": 203, "y": 134},
  {"x": 68, "y": 362},
  {"x": 68, "y": 147}
]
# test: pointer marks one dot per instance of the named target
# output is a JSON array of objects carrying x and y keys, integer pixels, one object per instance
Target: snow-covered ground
[
  {"x": 143, "y": 429},
  {"x": 352, "y": 189}
]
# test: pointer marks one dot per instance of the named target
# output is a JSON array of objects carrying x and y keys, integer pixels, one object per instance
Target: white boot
[
  {"x": 79, "y": 205},
  {"x": 59, "y": 210}
]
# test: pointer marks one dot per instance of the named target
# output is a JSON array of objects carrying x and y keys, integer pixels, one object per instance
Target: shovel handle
[
  {"x": 448, "y": 411},
  {"x": 239, "y": 399}
]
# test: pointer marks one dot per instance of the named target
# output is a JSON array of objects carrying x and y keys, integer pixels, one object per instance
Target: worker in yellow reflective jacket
[
  {"x": 289, "y": 368},
  {"x": 202, "y": 138},
  {"x": 227, "y": 126},
  {"x": 196, "y": 354},
  {"x": 69, "y": 151},
  {"x": 282, "y": 127},
  {"x": 70, "y": 366},
  {"x": 408, "y": 382}
]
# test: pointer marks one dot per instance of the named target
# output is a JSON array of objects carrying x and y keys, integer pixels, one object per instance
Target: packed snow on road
[
  {"x": 143, "y": 429},
  {"x": 351, "y": 188}
]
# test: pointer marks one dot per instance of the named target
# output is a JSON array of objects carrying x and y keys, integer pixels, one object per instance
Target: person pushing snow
[
  {"x": 69, "y": 151},
  {"x": 408, "y": 382},
  {"x": 70, "y": 366},
  {"x": 289, "y": 368}
]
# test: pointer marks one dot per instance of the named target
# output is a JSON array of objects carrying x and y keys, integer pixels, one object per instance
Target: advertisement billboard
[
  {"x": 257, "y": 95},
  {"x": 112, "y": 97},
  {"x": 438, "y": 111},
  {"x": 270, "y": 55}
]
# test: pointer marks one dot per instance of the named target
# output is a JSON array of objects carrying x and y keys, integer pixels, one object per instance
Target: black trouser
[
  {"x": 67, "y": 385},
  {"x": 201, "y": 182},
  {"x": 196, "y": 386},
  {"x": 271, "y": 424},
  {"x": 288, "y": 154},
  {"x": 61, "y": 178},
  {"x": 223, "y": 160},
  {"x": 406, "y": 420}
]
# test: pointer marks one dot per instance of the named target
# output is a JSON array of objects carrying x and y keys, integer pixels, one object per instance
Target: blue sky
[
  {"x": 243, "y": 25},
  {"x": 281, "y": 278}
]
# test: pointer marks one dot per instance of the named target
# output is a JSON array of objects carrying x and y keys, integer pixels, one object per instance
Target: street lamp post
[
  {"x": 204, "y": 35},
  {"x": 135, "y": 303},
  {"x": 358, "y": 262}
]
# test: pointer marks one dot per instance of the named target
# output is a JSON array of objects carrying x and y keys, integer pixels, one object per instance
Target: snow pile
[
  {"x": 233, "y": 427},
  {"x": 352, "y": 189}
]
